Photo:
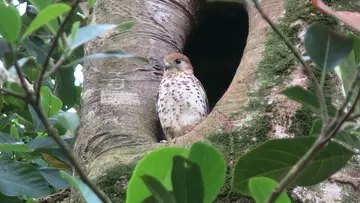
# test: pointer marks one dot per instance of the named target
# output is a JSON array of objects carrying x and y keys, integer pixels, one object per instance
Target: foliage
[
  {"x": 38, "y": 53},
  {"x": 40, "y": 50}
]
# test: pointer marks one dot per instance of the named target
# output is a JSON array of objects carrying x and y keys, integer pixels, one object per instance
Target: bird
[{"x": 181, "y": 101}]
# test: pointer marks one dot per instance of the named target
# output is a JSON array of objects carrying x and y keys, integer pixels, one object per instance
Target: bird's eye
[{"x": 177, "y": 61}]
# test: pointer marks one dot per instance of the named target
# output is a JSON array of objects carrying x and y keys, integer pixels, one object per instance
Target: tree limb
[{"x": 7, "y": 92}]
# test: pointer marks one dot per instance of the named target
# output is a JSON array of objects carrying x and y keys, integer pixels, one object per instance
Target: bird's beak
[{"x": 167, "y": 65}]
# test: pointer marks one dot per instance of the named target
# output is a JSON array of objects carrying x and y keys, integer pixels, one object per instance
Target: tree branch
[
  {"x": 319, "y": 92},
  {"x": 7, "y": 92},
  {"x": 55, "y": 67},
  {"x": 35, "y": 103},
  {"x": 327, "y": 133},
  {"x": 65, "y": 148},
  {"x": 52, "y": 49},
  {"x": 18, "y": 70},
  {"x": 329, "y": 130}
]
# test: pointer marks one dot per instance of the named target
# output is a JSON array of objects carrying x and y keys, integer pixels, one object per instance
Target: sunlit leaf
[
  {"x": 261, "y": 189},
  {"x": 91, "y": 3},
  {"x": 10, "y": 28},
  {"x": 149, "y": 165},
  {"x": 45, "y": 16},
  {"x": 42, "y": 4},
  {"x": 49, "y": 103}
]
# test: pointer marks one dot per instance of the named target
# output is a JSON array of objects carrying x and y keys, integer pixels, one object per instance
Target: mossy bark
[{"x": 109, "y": 145}]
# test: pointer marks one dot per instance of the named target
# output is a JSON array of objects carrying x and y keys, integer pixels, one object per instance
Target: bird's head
[{"x": 177, "y": 62}]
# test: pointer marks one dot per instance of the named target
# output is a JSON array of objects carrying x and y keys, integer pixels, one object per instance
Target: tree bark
[
  {"x": 118, "y": 99},
  {"x": 118, "y": 117}
]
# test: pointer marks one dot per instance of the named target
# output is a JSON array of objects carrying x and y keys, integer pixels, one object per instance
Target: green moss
[
  {"x": 233, "y": 145},
  {"x": 114, "y": 182}
]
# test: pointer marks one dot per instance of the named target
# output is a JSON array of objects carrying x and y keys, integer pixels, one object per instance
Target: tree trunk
[
  {"x": 118, "y": 101},
  {"x": 118, "y": 117}
]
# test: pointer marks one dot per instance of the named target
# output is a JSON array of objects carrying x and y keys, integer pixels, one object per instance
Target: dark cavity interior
[{"x": 215, "y": 46}]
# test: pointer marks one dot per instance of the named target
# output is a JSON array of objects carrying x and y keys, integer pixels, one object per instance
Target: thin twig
[
  {"x": 67, "y": 151},
  {"x": 6, "y": 92},
  {"x": 319, "y": 93},
  {"x": 327, "y": 133},
  {"x": 52, "y": 49},
  {"x": 18, "y": 69},
  {"x": 55, "y": 67},
  {"x": 353, "y": 117}
]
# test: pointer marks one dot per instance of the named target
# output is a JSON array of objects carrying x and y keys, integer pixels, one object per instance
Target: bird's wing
[{"x": 206, "y": 98}]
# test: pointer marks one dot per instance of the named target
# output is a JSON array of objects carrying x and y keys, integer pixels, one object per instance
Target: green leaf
[
  {"x": 3, "y": 47},
  {"x": 87, "y": 33},
  {"x": 350, "y": 140},
  {"x": 187, "y": 181},
  {"x": 36, "y": 50},
  {"x": 45, "y": 16},
  {"x": 326, "y": 47},
  {"x": 14, "y": 132},
  {"x": 10, "y": 28},
  {"x": 274, "y": 159},
  {"x": 65, "y": 88},
  {"x": 316, "y": 127},
  {"x": 85, "y": 191},
  {"x": 105, "y": 55},
  {"x": 91, "y": 3},
  {"x": 67, "y": 120},
  {"x": 49, "y": 103},
  {"x": 307, "y": 98},
  {"x": 29, "y": 68},
  {"x": 127, "y": 25},
  {"x": 19, "y": 178},
  {"x": 42, "y": 4},
  {"x": 159, "y": 192},
  {"x": 7, "y": 199},
  {"x": 74, "y": 30},
  {"x": 45, "y": 143},
  {"x": 53, "y": 177},
  {"x": 10, "y": 144},
  {"x": 212, "y": 166},
  {"x": 347, "y": 70},
  {"x": 261, "y": 189},
  {"x": 149, "y": 165},
  {"x": 38, "y": 125}
]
